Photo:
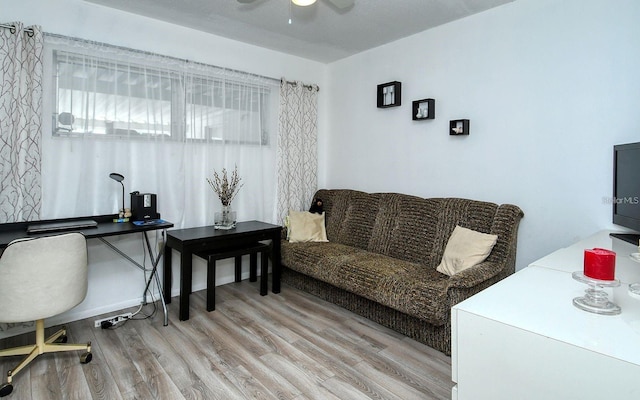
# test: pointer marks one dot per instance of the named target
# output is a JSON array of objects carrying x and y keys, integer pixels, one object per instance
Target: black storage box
[{"x": 143, "y": 206}]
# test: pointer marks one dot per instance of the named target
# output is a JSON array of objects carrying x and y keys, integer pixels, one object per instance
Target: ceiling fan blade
[
  {"x": 342, "y": 4},
  {"x": 246, "y": 1}
]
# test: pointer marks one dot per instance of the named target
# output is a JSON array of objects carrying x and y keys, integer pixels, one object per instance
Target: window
[
  {"x": 97, "y": 96},
  {"x": 164, "y": 123}
]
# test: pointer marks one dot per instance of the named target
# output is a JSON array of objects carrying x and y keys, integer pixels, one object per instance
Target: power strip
[{"x": 111, "y": 321}]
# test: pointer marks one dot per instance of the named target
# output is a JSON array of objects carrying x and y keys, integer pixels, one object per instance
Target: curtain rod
[
  {"x": 310, "y": 87},
  {"x": 12, "y": 28},
  {"x": 30, "y": 32},
  {"x": 54, "y": 35}
]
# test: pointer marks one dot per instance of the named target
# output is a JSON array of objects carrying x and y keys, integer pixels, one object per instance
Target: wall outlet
[{"x": 113, "y": 320}]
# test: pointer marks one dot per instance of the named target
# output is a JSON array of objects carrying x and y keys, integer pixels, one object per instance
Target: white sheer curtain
[
  {"x": 165, "y": 124},
  {"x": 297, "y": 147},
  {"x": 20, "y": 122}
]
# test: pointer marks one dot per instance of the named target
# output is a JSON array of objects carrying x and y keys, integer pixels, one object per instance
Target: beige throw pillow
[
  {"x": 465, "y": 249},
  {"x": 306, "y": 227}
]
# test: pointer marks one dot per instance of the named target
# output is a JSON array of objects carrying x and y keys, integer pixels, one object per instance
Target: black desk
[
  {"x": 207, "y": 238},
  {"x": 106, "y": 227}
]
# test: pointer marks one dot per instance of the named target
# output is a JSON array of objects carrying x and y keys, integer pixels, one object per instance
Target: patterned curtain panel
[
  {"x": 20, "y": 122},
  {"x": 297, "y": 147}
]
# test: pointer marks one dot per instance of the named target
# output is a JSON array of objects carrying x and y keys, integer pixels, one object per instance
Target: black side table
[
  {"x": 208, "y": 239},
  {"x": 237, "y": 254}
]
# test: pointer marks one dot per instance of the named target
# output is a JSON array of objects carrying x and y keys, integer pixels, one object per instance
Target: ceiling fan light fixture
[{"x": 303, "y": 3}]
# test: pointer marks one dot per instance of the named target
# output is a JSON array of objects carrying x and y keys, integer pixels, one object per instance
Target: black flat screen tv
[{"x": 626, "y": 190}]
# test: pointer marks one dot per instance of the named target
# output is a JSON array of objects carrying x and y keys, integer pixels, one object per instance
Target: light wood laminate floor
[{"x": 286, "y": 346}]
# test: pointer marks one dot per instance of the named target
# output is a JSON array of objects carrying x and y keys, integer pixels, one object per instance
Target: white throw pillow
[
  {"x": 306, "y": 227},
  {"x": 465, "y": 249}
]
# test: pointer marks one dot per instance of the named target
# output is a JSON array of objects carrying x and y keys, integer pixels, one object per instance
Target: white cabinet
[
  {"x": 570, "y": 258},
  {"x": 523, "y": 338}
]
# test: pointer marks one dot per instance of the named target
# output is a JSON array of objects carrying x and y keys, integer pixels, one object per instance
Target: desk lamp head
[{"x": 119, "y": 178}]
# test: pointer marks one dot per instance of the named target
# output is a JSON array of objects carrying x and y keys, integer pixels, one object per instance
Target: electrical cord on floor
[
  {"x": 144, "y": 315},
  {"x": 145, "y": 270},
  {"x": 134, "y": 315},
  {"x": 140, "y": 311},
  {"x": 108, "y": 325}
]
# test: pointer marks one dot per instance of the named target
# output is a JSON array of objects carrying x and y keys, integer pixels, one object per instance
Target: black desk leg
[
  {"x": 166, "y": 276},
  {"x": 186, "y": 270},
  {"x": 275, "y": 259}
]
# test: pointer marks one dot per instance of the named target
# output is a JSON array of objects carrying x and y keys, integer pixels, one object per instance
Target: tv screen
[{"x": 626, "y": 189}]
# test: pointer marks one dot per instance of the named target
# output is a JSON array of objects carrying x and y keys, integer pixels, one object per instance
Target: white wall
[
  {"x": 113, "y": 282},
  {"x": 549, "y": 87}
]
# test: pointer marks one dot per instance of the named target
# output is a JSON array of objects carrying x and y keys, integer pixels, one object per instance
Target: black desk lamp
[{"x": 119, "y": 178}]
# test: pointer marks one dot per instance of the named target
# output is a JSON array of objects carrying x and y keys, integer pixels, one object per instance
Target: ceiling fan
[{"x": 341, "y": 4}]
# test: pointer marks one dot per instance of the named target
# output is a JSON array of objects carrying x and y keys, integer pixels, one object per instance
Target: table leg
[
  {"x": 166, "y": 274},
  {"x": 275, "y": 259},
  {"x": 186, "y": 270},
  {"x": 211, "y": 284},
  {"x": 238, "y": 271},
  {"x": 253, "y": 266},
  {"x": 264, "y": 269}
]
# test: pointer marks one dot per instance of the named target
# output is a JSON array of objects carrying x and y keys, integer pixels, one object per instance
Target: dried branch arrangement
[{"x": 226, "y": 189}]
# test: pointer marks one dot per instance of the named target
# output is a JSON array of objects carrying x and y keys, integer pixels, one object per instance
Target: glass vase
[{"x": 225, "y": 219}]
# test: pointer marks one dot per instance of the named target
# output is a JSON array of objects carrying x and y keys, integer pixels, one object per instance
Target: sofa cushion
[
  {"x": 306, "y": 227},
  {"x": 399, "y": 225},
  {"x": 465, "y": 249},
  {"x": 356, "y": 223},
  {"x": 406, "y": 228},
  {"x": 317, "y": 259},
  {"x": 402, "y": 285},
  {"x": 405, "y": 286}
]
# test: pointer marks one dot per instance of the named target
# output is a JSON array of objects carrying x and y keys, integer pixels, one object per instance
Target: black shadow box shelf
[
  {"x": 423, "y": 109},
  {"x": 390, "y": 94},
  {"x": 459, "y": 127}
]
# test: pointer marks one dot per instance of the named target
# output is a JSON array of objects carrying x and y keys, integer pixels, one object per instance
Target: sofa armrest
[
  {"x": 475, "y": 275},
  {"x": 473, "y": 280},
  {"x": 499, "y": 264},
  {"x": 505, "y": 225}
]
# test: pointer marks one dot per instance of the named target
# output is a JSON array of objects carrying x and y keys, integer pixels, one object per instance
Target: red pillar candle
[{"x": 600, "y": 264}]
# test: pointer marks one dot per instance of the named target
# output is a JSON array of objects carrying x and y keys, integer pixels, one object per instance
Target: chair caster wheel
[
  {"x": 6, "y": 389},
  {"x": 86, "y": 358},
  {"x": 62, "y": 339}
]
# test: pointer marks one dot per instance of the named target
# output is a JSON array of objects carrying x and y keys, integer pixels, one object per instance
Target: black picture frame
[
  {"x": 389, "y": 94},
  {"x": 459, "y": 127},
  {"x": 423, "y": 109}
]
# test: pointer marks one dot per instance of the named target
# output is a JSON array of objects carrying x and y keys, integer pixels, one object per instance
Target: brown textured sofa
[{"x": 382, "y": 254}]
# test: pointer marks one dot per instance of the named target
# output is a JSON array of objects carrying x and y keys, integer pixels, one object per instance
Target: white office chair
[{"x": 41, "y": 278}]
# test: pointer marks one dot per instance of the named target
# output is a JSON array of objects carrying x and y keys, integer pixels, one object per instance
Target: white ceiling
[{"x": 318, "y": 32}]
